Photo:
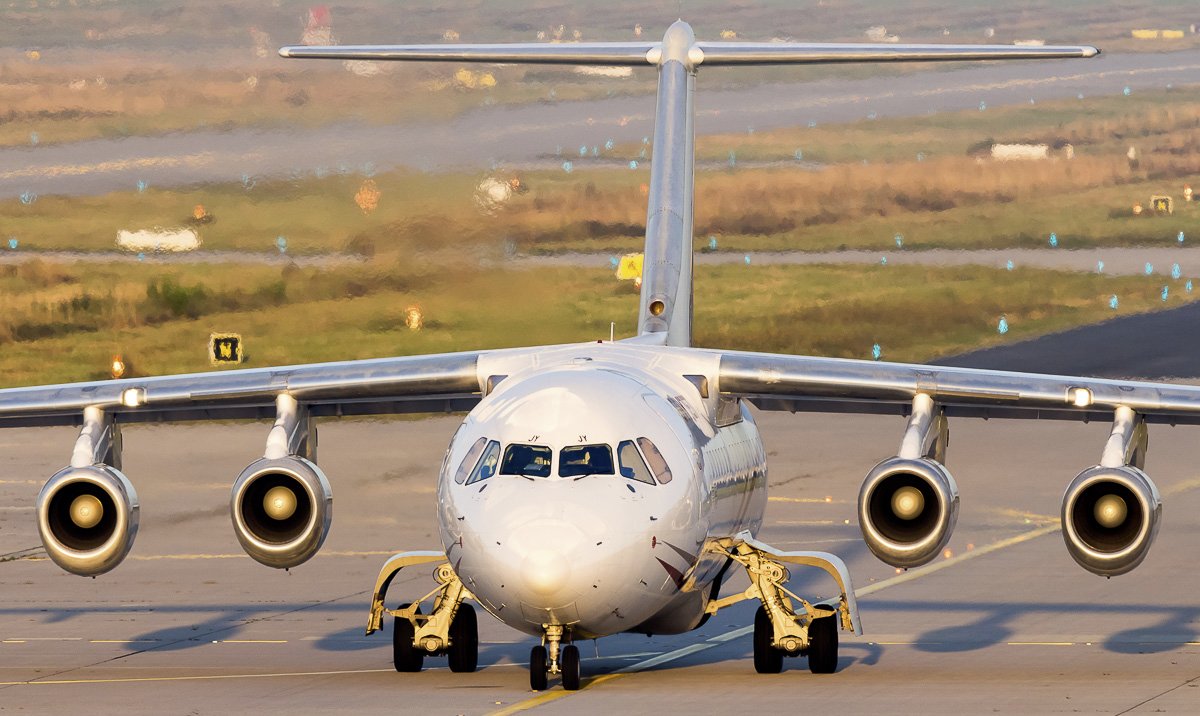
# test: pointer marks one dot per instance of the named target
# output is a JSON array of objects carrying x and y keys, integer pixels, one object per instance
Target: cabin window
[
  {"x": 633, "y": 466},
  {"x": 469, "y": 461},
  {"x": 580, "y": 460},
  {"x": 528, "y": 460},
  {"x": 658, "y": 464},
  {"x": 487, "y": 466}
]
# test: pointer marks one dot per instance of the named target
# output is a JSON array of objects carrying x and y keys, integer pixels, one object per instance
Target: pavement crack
[
  {"x": 1158, "y": 696},
  {"x": 26, "y": 553}
]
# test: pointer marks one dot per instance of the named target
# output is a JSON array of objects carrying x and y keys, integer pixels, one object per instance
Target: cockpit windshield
[
  {"x": 658, "y": 464},
  {"x": 487, "y": 466},
  {"x": 470, "y": 460},
  {"x": 580, "y": 460},
  {"x": 633, "y": 466},
  {"x": 528, "y": 460}
]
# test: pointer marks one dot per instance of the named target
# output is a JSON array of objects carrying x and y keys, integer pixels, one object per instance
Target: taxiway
[{"x": 1003, "y": 623}]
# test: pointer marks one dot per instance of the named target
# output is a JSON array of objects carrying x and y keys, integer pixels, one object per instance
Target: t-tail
[{"x": 665, "y": 310}]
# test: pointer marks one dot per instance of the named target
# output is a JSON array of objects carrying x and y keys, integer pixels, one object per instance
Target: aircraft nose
[
  {"x": 545, "y": 571},
  {"x": 545, "y": 549}
]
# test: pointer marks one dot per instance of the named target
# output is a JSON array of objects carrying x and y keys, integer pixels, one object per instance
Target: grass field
[
  {"x": 429, "y": 243},
  {"x": 65, "y": 323},
  {"x": 871, "y": 186}
]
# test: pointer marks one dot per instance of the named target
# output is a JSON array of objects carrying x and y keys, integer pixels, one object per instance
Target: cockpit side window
[
  {"x": 579, "y": 460},
  {"x": 469, "y": 461},
  {"x": 633, "y": 466},
  {"x": 658, "y": 464},
  {"x": 528, "y": 460},
  {"x": 487, "y": 466}
]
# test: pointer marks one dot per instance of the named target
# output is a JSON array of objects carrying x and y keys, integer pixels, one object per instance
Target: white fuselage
[{"x": 586, "y": 538}]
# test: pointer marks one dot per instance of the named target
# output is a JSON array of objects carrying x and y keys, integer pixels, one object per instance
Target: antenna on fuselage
[{"x": 665, "y": 308}]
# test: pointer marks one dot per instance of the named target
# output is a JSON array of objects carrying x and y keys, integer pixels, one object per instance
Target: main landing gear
[
  {"x": 781, "y": 628},
  {"x": 550, "y": 657},
  {"x": 450, "y": 629}
]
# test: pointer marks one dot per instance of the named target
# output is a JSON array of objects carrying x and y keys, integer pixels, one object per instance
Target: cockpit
[{"x": 637, "y": 459}]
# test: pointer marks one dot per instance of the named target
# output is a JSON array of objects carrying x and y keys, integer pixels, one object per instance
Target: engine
[
  {"x": 1110, "y": 516},
  {"x": 907, "y": 508},
  {"x": 87, "y": 517},
  {"x": 281, "y": 509}
]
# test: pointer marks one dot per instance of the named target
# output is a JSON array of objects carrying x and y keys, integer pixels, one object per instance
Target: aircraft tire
[
  {"x": 538, "y": 665},
  {"x": 464, "y": 640},
  {"x": 823, "y": 645},
  {"x": 767, "y": 659},
  {"x": 570, "y": 668},
  {"x": 405, "y": 656}
]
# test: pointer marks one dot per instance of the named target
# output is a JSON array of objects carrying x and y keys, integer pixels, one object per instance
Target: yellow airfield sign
[
  {"x": 630, "y": 267},
  {"x": 225, "y": 349}
]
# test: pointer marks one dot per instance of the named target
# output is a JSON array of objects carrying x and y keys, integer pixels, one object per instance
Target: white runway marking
[{"x": 197, "y": 677}]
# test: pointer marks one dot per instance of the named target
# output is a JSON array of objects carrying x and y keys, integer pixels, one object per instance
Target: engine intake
[
  {"x": 1110, "y": 516},
  {"x": 87, "y": 518},
  {"x": 907, "y": 508},
  {"x": 281, "y": 509}
]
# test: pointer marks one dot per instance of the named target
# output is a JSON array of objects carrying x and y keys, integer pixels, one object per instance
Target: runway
[{"x": 1006, "y": 624}]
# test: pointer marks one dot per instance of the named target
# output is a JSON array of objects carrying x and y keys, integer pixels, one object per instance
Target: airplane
[{"x": 611, "y": 486}]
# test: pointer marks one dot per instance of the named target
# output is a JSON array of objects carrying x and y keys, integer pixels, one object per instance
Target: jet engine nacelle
[
  {"x": 87, "y": 518},
  {"x": 1110, "y": 516},
  {"x": 281, "y": 510},
  {"x": 907, "y": 509}
]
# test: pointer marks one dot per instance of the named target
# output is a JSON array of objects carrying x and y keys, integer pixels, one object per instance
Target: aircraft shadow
[{"x": 993, "y": 624}]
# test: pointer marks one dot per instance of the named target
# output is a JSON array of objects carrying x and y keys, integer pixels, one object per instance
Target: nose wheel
[
  {"x": 553, "y": 658},
  {"x": 570, "y": 668},
  {"x": 539, "y": 666}
]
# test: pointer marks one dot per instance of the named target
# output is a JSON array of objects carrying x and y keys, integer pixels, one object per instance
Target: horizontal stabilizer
[
  {"x": 706, "y": 53},
  {"x": 787, "y": 53},
  {"x": 573, "y": 53}
]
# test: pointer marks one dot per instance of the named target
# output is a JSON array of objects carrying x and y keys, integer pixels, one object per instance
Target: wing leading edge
[
  {"x": 428, "y": 383},
  {"x": 812, "y": 384}
]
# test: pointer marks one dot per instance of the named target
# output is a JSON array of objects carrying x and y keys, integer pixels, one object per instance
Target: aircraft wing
[
  {"x": 804, "y": 383},
  {"x": 427, "y": 383}
]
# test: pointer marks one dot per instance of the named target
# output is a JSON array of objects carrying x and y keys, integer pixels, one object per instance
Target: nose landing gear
[{"x": 551, "y": 657}]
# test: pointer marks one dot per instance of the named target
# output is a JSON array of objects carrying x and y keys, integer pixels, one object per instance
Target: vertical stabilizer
[
  {"x": 665, "y": 310},
  {"x": 666, "y": 302}
]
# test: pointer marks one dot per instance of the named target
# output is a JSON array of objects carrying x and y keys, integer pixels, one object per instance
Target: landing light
[
  {"x": 133, "y": 397},
  {"x": 1079, "y": 397}
]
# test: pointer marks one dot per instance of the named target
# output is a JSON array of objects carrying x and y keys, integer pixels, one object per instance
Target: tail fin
[{"x": 665, "y": 310}]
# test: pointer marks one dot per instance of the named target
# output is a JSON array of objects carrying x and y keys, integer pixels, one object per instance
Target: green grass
[{"x": 914, "y": 313}]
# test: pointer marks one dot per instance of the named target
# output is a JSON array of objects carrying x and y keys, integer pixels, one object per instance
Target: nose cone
[
  {"x": 545, "y": 571},
  {"x": 545, "y": 549}
]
